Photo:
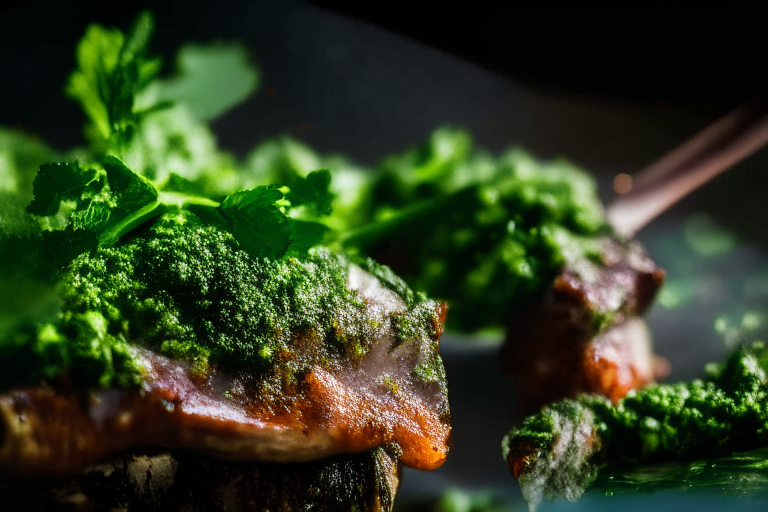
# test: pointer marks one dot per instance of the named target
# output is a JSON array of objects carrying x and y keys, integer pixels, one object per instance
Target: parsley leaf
[{"x": 112, "y": 68}]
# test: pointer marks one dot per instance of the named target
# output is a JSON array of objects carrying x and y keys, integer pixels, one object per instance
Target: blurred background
[{"x": 611, "y": 89}]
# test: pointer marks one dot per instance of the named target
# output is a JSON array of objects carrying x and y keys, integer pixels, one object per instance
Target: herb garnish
[{"x": 142, "y": 239}]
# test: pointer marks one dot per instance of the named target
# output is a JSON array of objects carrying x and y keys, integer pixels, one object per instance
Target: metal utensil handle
[{"x": 713, "y": 150}]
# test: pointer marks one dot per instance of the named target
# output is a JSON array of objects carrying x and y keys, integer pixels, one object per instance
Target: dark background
[
  {"x": 708, "y": 55},
  {"x": 704, "y": 60},
  {"x": 610, "y": 88}
]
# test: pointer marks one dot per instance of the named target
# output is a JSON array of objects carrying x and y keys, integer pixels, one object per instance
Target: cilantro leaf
[
  {"x": 112, "y": 69},
  {"x": 258, "y": 221},
  {"x": 58, "y": 182},
  {"x": 260, "y": 217},
  {"x": 287, "y": 161},
  {"x": 212, "y": 79},
  {"x": 99, "y": 206}
]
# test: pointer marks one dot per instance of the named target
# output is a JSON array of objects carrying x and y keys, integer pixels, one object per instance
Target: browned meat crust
[
  {"x": 308, "y": 407},
  {"x": 48, "y": 431},
  {"x": 559, "y": 347}
]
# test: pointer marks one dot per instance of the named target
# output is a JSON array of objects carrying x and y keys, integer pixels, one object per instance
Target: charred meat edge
[
  {"x": 367, "y": 403},
  {"x": 555, "y": 350}
]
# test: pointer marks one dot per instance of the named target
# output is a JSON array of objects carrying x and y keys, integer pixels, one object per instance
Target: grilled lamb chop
[{"x": 586, "y": 335}]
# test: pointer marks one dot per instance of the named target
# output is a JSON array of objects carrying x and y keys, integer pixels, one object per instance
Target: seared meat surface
[
  {"x": 347, "y": 405},
  {"x": 586, "y": 335}
]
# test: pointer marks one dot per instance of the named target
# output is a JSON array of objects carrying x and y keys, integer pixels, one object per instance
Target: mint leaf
[
  {"x": 212, "y": 79},
  {"x": 258, "y": 221}
]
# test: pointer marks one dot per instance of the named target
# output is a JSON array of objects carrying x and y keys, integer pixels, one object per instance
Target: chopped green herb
[
  {"x": 161, "y": 257},
  {"x": 487, "y": 235},
  {"x": 559, "y": 451}
]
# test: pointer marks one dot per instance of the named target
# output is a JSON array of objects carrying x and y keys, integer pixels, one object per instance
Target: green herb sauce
[
  {"x": 486, "y": 234},
  {"x": 560, "y": 449},
  {"x": 189, "y": 291}
]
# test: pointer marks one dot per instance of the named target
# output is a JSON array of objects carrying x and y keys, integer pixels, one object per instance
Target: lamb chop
[
  {"x": 178, "y": 346},
  {"x": 559, "y": 451},
  {"x": 586, "y": 334},
  {"x": 525, "y": 245},
  {"x": 177, "y": 332}
]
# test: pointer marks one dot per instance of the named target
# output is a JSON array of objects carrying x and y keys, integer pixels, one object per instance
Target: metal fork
[{"x": 648, "y": 193}]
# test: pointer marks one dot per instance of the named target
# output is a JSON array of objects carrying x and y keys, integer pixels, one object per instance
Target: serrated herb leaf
[
  {"x": 99, "y": 206},
  {"x": 259, "y": 222},
  {"x": 112, "y": 69},
  {"x": 57, "y": 182}
]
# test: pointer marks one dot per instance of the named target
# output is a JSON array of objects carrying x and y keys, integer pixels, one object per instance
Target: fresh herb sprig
[
  {"x": 150, "y": 156},
  {"x": 100, "y": 205}
]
